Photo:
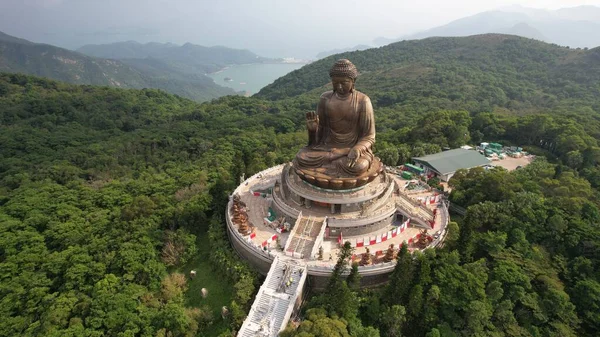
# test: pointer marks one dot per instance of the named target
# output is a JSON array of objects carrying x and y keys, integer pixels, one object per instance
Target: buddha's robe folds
[{"x": 344, "y": 123}]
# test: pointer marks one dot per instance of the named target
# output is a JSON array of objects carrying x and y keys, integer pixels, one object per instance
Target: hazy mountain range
[
  {"x": 189, "y": 57},
  {"x": 573, "y": 27},
  {"x": 176, "y": 69},
  {"x": 342, "y": 50}
]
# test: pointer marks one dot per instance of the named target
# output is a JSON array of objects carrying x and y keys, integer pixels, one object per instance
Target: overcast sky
[{"x": 274, "y": 28}]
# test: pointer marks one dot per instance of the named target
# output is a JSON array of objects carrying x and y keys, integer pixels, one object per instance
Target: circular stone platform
[{"x": 314, "y": 219}]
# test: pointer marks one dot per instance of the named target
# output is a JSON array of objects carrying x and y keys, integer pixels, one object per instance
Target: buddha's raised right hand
[{"x": 312, "y": 121}]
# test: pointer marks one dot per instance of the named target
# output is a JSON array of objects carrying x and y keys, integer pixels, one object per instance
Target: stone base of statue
[
  {"x": 329, "y": 178},
  {"x": 350, "y": 211},
  {"x": 371, "y": 215}
]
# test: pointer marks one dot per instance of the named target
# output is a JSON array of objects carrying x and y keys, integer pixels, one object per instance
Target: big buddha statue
[{"x": 341, "y": 135}]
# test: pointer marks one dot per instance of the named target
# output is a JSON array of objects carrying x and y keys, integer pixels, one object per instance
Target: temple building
[{"x": 445, "y": 164}]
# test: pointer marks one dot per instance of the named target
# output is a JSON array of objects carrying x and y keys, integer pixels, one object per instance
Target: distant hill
[
  {"x": 525, "y": 30},
  {"x": 574, "y": 27},
  {"x": 476, "y": 73},
  {"x": 8, "y": 38},
  {"x": 125, "y": 50},
  {"x": 22, "y": 56},
  {"x": 342, "y": 50},
  {"x": 486, "y": 22},
  {"x": 189, "y": 57}
]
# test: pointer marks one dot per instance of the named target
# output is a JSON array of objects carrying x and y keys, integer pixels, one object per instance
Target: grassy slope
[{"x": 219, "y": 289}]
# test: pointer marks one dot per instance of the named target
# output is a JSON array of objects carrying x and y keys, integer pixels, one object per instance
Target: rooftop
[{"x": 452, "y": 160}]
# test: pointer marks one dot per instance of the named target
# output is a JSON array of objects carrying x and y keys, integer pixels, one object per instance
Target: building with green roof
[{"x": 445, "y": 164}]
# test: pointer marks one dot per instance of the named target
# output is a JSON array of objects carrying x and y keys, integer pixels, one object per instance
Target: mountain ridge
[
  {"x": 326, "y": 53},
  {"x": 19, "y": 55},
  {"x": 574, "y": 26},
  {"x": 459, "y": 68},
  {"x": 189, "y": 56}
]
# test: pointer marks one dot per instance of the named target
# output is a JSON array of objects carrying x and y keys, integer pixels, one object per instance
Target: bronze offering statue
[
  {"x": 389, "y": 254},
  {"x": 366, "y": 258},
  {"x": 341, "y": 135},
  {"x": 424, "y": 239},
  {"x": 240, "y": 215}
]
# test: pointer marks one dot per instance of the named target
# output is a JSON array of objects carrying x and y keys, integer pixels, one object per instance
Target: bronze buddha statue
[{"x": 341, "y": 135}]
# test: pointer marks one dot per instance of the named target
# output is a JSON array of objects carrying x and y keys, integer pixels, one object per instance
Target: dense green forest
[{"x": 106, "y": 194}]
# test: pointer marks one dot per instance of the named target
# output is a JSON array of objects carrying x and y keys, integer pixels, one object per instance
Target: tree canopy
[{"x": 103, "y": 193}]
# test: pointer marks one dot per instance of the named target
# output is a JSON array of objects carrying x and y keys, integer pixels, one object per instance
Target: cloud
[
  {"x": 268, "y": 27},
  {"x": 43, "y": 3}
]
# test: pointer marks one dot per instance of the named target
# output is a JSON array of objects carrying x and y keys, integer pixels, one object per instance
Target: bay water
[{"x": 250, "y": 78}]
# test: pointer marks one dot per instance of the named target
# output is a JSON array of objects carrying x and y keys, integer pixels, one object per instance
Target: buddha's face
[{"x": 342, "y": 85}]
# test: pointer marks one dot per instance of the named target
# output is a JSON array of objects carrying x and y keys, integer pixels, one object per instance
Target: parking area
[{"x": 511, "y": 163}]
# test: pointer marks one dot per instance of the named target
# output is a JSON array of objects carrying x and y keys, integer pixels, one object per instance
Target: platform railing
[{"x": 322, "y": 267}]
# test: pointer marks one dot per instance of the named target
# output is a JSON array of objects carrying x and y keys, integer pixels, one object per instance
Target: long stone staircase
[{"x": 274, "y": 304}]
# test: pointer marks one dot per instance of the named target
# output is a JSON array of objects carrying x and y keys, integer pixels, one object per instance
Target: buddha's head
[{"x": 343, "y": 75}]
